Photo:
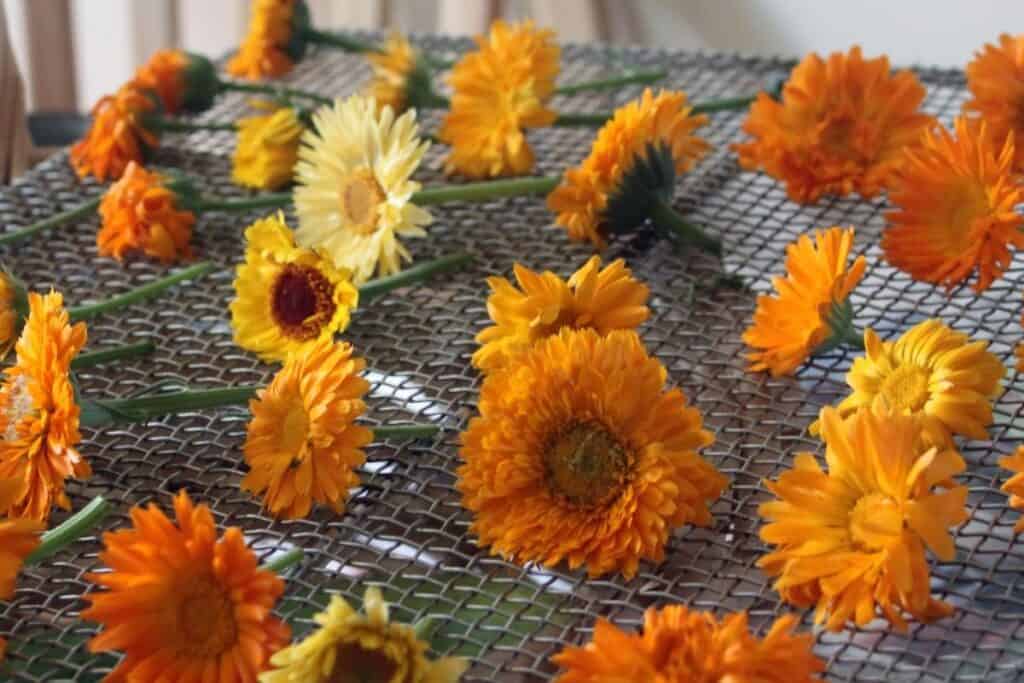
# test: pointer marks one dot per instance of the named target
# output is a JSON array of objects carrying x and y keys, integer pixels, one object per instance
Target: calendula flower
[
  {"x": 852, "y": 539},
  {"x": 181, "y": 603},
  {"x": 286, "y": 298},
  {"x": 600, "y": 299},
  {"x": 117, "y": 135},
  {"x": 140, "y": 212},
  {"x": 271, "y": 45},
  {"x": 354, "y": 185},
  {"x": 19, "y": 537},
  {"x": 810, "y": 308},
  {"x": 955, "y": 199},
  {"x": 683, "y": 646},
  {"x": 267, "y": 149},
  {"x": 1014, "y": 486},
  {"x": 38, "y": 412},
  {"x": 930, "y": 371},
  {"x": 401, "y": 79},
  {"x": 631, "y": 167},
  {"x": 501, "y": 90},
  {"x": 995, "y": 78},
  {"x": 361, "y": 647},
  {"x": 841, "y": 126},
  {"x": 181, "y": 80},
  {"x": 13, "y": 310},
  {"x": 303, "y": 444},
  {"x": 580, "y": 454}
]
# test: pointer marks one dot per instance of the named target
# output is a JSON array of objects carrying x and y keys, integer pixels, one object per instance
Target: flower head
[
  {"x": 13, "y": 311},
  {"x": 852, "y": 539},
  {"x": 995, "y": 78},
  {"x": 401, "y": 79},
  {"x": 683, "y": 646},
  {"x": 354, "y": 186},
  {"x": 140, "y": 212},
  {"x": 600, "y": 299},
  {"x": 501, "y": 90},
  {"x": 930, "y": 371},
  {"x": 286, "y": 298},
  {"x": 267, "y": 149},
  {"x": 634, "y": 156},
  {"x": 181, "y": 603},
  {"x": 181, "y": 81},
  {"x": 955, "y": 199},
  {"x": 841, "y": 126},
  {"x": 361, "y": 647},
  {"x": 273, "y": 42},
  {"x": 1014, "y": 486},
  {"x": 117, "y": 135},
  {"x": 18, "y": 538},
  {"x": 38, "y": 412},
  {"x": 579, "y": 454},
  {"x": 789, "y": 325}
]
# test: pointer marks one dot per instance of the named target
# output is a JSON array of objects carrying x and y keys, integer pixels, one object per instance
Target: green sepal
[
  {"x": 419, "y": 88},
  {"x": 842, "y": 330},
  {"x": 302, "y": 22},
  {"x": 189, "y": 197},
  {"x": 20, "y": 302},
  {"x": 651, "y": 179},
  {"x": 201, "y": 83}
]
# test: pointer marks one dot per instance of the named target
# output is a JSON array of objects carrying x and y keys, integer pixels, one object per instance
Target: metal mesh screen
[{"x": 404, "y": 529}]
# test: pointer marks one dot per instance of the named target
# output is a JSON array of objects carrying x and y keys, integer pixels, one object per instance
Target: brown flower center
[
  {"x": 586, "y": 465},
  {"x": 354, "y": 663},
  {"x": 360, "y": 195},
  {"x": 906, "y": 388},
  {"x": 206, "y": 619},
  {"x": 875, "y": 522},
  {"x": 301, "y": 301},
  {"x": 19, "y": 406}
]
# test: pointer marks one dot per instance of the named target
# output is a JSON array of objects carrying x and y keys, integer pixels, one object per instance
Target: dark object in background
[{"x": 56, "y": 128}]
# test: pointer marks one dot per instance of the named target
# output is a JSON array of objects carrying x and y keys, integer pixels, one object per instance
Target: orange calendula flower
[
  {"x": 955, "y": 199},
  {"x": 19, "y": 537},
  {"x": 580, "y": 454},
  {"x": 303, "y": 444},
  {"x": 852, "y": 539},
  {"x": 610, "y": 190},
  {"x": 181, "y": 80},
  {"x": 398, "y": 74},
  {"x": 117, "y": 135},
  {"x": 995, "y": 78},
  {"x": 181, "y": 603},
  {"x": 810, "y": 308},
  {"x": 270, "y": 48},
  {"x": 1014, "y": 486},
  {"x": 140, "y": 213},
  {"x": 501, "y": 90},
  {"x": 678, "y": 645},
  {"x": 38, "y": 412},
  {"x": 13, "y": 310},
  {"x": 267, "y": 149},
  {"x": 841, "y": 126},
  {"x": 600, "y": 299}
]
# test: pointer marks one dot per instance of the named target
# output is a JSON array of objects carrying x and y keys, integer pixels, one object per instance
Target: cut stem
[
  {"x": 404, "y": 432},
  {"x": 416, "y": 273},
  {"x": 70, "y": 531},
  {"x": 88, "y": 360},
  {"x": 667, "y": 218},
  {"x": 265, "y": 201},
  {"x": 141, "y": 293},
  {"x": 275, "y": 90},
  {"x": 144, "y": 408},
  {"x": 483, "y": 191},
  {"x": 614, "y": 82},
  {"x": 337, "y": 40},
  {"x": 723, "y": 105},
  {"x": 159, "y": 123},
  {"x": 289, "y": 559},
  {"x": 84, "y": 209},
  {"x": 600, "y": 118}
]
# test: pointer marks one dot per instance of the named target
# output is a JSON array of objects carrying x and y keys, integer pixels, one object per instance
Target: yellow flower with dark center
[
  {"x": 995, "y": 78},
  {"x": 930, "y": 371},
  {"x": 683, "y": 646},
  {"x": 601, "y": 299},
  {"x": 355, "y": 647},
  {"x": 798, "y": 319},
  {"x": 852, "y": 540},
  {"x": 354, "y": 186},
  {"x": 955, "y": 199},
  {"x": 267, "y": 149},
  {"x": 1014, "y": 486},
  {"x": 286, "y": 298},
  {"x": 590, "y": 199},
  {"x": 580, "y": 454},
  {"x": 303, "y": 444}
]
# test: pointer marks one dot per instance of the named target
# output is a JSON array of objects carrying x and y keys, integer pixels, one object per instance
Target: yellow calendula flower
[
  {"x": 398, "y": 74},
  {"x": 355, "y": 183},
  {"x": 350, "y": 646},
  {"x": 13, "y": 311},
  {"x": 286, "y": 298},
  {"x": 267, "y": 149}
]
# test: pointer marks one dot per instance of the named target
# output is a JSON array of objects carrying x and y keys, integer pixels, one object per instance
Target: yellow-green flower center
[
  {"x": 354, "y": 663},
  {"x": 360, "y": 196},
  {"x": 295, "y": 431},
  {"x": 206, "y": 625},
  {"x": 586, "y": 465},
  {"x": 875, "y": 522},
  {"x": 906, "y": 388}
]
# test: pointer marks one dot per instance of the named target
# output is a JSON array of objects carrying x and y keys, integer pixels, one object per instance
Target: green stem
[
  {"x": 70, "y": 531},
  {"x": 600, "y": 118},
  {"x": 84, "y": 209},
  {"x": 614, "y": 82},
  {"x": 279, "y": 564},
  {"x": 483, "y": 191},
  {"x": 141, "y": 293},
  {"x": 573, "y": 120},
  {"x": 88, "y": 360},
  {"x": 337, "y": 40},
  {"x": 159, "y": 123},
  {"x": 416, "y": 273},
  {"x": 842, "y": 330},
  {"x": 723, "y": 105},
  {"x": 667, "y": 218},
  {"x": 404, "y": 432},
  {"x": 143, "y": 408},
  {"x": 271, "y": 200},
  {"x": 275, "y": 90}
]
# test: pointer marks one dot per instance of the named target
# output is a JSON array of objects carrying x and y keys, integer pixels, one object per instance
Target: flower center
[
  {"x": 19, "y": 406},
  {"x": 301, "y": 301},
  {"x": 294, "y": 431},
  {"x": 956, "y": 230},
  {"x": 360, "y": 195},
  {"x": 354, "y": 663},
  {"x": 586, "y": 465},
  {"x": 875, "y": 522},
  {"x": 906, "y": 388},
  {"x": 206, "y": 619}
]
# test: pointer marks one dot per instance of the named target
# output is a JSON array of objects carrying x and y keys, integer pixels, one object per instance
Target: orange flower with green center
[
  {"x": 995, "y": 78},
  {"x": 1014, "y": 486},
  {"x": 270, "y": 47},
  {"x": 678, "y": 645},
  {"x": 117, "y": 135},
  {"x": 841, "y": 126},
  {"x": 955, "y": 199},
  {"x": 182, "y": 604}
]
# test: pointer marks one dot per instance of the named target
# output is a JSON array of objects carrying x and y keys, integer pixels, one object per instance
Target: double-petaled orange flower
[
  {"x": 18, "y": 538},
  {"x": 117, "y": 135},
  {"x": 1014, "y": 486},
  {"x": 265, "y": 51},
  {"x": 995, "y": 78}
]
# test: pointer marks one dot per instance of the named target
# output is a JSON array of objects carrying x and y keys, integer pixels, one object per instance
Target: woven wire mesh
[{"x": 404, "y": 529}]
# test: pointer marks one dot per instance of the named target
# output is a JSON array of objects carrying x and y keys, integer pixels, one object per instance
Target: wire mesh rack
[{"x": 404, "y": 529}]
